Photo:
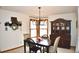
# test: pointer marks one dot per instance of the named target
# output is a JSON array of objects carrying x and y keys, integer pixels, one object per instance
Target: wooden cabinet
[{"x": 61, "y": 27}]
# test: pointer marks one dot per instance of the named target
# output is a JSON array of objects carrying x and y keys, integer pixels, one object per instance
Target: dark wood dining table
[{"x": 43, "y": 44}]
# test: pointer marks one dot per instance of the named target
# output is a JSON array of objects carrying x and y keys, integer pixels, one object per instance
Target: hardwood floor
[{"x": 60, "y": 50}]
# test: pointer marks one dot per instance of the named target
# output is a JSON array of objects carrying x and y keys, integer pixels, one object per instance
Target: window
[{"x": 36, "y": 30}]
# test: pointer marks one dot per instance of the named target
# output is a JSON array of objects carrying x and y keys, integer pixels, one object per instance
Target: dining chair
[
  {"x": 33, "y": 47},
  {"x": 53, "y": 49}
]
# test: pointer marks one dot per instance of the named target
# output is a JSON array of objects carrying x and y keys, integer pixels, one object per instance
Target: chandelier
[
  {"x": 39, "y": 17},
  {"x": 38, "y": 23}
]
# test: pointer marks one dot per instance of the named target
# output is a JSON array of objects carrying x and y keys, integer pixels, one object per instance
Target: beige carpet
[{"x": 59, "y": 50}]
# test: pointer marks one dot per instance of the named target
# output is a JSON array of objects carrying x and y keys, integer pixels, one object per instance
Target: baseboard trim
[
  {"x": 12, "y": 49},
  {"x": 73, "y": 46}
]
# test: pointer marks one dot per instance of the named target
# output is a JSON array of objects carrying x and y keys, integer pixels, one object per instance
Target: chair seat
[
  {"x": 51, "y": 49},
  {"x": 35, "y": 49}
]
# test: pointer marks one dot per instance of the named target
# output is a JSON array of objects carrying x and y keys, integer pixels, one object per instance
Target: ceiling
[{"x": 45, "y": 10}]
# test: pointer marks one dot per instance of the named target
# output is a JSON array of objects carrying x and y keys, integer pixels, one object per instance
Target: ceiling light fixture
[{"x": 39, "y": 17}]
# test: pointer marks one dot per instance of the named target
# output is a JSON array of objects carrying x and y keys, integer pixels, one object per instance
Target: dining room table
[{"x": 44, "y": 44}]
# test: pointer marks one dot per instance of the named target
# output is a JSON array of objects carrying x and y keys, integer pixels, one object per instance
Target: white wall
[
  {"x": 67, "y": 16},
  {"x": 77, "y": 45},
  {"x": 11, "y": 39}
]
